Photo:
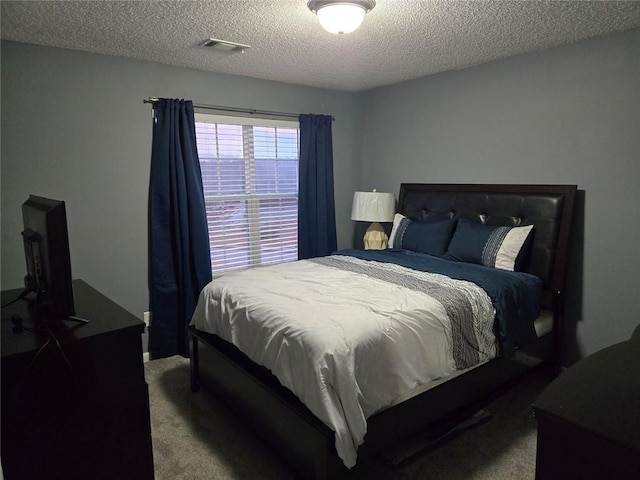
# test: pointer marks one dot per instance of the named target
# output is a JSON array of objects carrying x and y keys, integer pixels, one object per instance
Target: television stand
[{"x": 75, "y": 404}]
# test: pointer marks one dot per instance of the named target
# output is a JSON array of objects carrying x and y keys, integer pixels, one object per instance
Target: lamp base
[{"x": 375, "y": 238}]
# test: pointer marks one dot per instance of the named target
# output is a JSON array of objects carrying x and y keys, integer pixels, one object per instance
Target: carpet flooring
[{"x": 195, "y": 437}]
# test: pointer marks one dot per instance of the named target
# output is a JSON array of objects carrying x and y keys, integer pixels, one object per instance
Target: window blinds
[{"x": 250, "y": 178}]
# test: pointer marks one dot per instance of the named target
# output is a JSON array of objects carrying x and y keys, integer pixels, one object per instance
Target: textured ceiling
[{"x": 399, "y": 39}]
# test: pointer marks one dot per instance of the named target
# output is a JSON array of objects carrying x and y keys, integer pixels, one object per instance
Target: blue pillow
[
  {"x": 489, "y": 245},
  {"x": 422, "y": 237}
]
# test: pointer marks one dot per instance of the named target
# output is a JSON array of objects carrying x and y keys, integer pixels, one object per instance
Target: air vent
[{"x": 224, "y": 45}]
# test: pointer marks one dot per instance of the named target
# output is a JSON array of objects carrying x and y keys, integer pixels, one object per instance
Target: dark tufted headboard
[{"x": 548, "y": 207}]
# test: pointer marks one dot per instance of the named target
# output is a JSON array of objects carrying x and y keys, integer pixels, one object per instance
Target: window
[{"x": 250, "y": 178}]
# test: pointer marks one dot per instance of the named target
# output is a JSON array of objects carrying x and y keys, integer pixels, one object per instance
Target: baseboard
[{"x": 145, "y": 357}]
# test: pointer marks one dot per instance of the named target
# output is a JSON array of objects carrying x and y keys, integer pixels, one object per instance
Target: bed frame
[{"x": 304, "y": 442}]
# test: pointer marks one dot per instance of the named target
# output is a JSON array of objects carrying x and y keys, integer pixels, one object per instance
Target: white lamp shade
[
  {"x": 373, "y": 207},
  {"x": 341, "y": 18}
]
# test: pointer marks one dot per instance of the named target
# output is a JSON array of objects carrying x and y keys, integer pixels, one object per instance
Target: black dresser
[
  {"x": 75, "y": 404},
  {"x": 589, "y": 418}
]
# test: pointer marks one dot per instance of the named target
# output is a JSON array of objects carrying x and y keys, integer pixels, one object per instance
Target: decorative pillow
[
  {"x": 489, "y": 245},
  {"x": 422, "y": 237}
]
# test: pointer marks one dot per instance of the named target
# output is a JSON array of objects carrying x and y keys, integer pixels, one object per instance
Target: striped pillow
[
  {"x": 489, "y": 245},
  {"x": 422, "y": 237}
]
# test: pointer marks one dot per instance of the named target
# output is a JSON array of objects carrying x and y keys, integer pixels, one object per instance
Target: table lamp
[{"x": 374, "y": 207}]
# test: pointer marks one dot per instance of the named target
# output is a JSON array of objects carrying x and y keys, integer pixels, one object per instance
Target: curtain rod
[{"x": 154, "y": 100}]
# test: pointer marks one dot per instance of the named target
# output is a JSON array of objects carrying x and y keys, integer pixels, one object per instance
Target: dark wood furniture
[
  {"x": 75, "y": 404},
  {"x": 589, "y": 417},
  {"x": 303, "y": 441}
]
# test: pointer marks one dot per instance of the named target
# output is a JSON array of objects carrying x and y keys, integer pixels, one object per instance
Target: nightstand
[{"x": 589, "y": 418}]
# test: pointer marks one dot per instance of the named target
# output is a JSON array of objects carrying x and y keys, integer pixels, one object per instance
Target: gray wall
[
  {"x": 74, "y": 128},
  {"x": 567, "y": 115}
]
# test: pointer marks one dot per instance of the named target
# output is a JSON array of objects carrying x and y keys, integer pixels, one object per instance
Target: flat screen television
[{"x": 46, "y": 247}]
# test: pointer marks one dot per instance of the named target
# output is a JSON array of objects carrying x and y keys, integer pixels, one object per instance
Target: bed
[{"x": 305, "y": 430}]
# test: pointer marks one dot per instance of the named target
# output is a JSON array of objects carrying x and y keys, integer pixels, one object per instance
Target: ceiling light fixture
[{"x": 340, "y": 17}]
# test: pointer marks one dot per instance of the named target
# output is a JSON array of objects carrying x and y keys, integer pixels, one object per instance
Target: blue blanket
[{"x": 515, "y": 296}]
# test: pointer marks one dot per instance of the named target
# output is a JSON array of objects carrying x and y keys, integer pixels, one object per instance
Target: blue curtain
[
  {"x": 180, "y": 262},
  {"x": 316, "y": 204}
]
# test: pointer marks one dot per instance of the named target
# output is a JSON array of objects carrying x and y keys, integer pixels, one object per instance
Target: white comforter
[{"x": 346, "y": 343}]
